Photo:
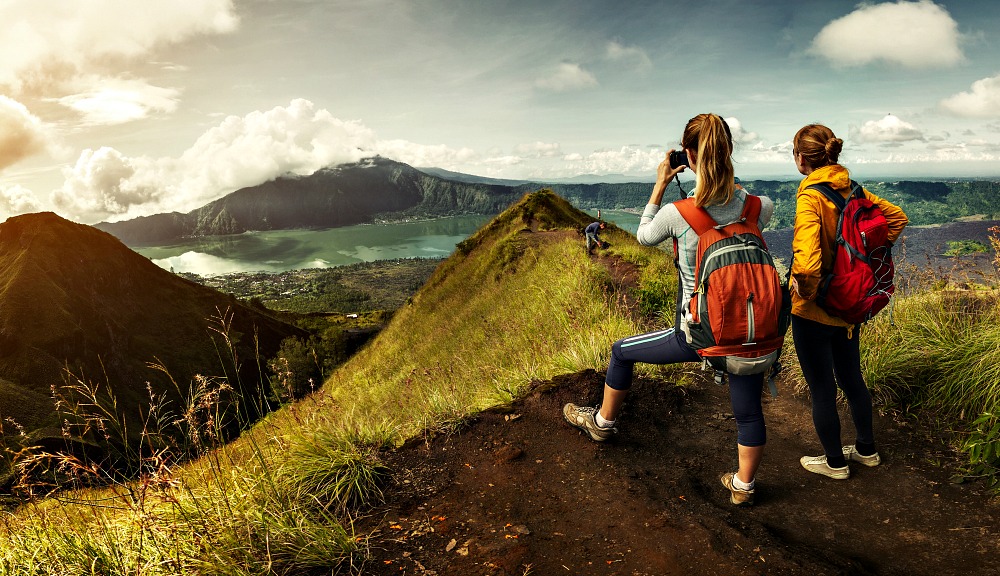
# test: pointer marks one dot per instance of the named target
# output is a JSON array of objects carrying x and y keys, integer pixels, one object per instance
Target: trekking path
[{"x": 519, "y": 491}]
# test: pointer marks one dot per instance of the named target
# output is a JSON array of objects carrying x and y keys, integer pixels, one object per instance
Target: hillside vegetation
[
  {"x": 280, "y": 499},
  {"x": 85, "y": 320},
  {"x": 520, "y": 303}
]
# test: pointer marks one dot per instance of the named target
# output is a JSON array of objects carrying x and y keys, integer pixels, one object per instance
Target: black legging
[
  {"x": 670, "y": 347},
  {"x": 830, "y": 359}
]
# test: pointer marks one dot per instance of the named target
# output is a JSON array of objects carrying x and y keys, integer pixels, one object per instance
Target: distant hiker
[
  {"x": 708, "y": 143},
  {"x": 593, "y": 239},
  {"x": 827, "y": 346}
]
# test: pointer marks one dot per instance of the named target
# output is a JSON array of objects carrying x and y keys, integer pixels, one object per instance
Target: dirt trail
[
  {"x": 522, "y": 492},
  {"x": 518, "y": 491}
]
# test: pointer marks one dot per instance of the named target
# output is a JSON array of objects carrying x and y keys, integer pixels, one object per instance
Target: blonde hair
[
  {"x": 710, "y": 136},
  {"x": 818, "y": 145}
]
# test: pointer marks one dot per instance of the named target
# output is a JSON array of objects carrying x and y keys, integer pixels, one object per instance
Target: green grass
[{"x": 512, "y": 307}]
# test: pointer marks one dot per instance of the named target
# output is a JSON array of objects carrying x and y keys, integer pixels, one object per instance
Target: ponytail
[{"x": 710, "y": 136}]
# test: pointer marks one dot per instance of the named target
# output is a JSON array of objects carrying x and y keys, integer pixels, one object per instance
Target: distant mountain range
[
  {"x": 337, "y": 196},
  {"x": 381, "y": 189},
  {"x": 77, "y": 304}
]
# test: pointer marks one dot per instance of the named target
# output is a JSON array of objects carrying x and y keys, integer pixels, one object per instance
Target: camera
[{"x": 678, "y": 159}]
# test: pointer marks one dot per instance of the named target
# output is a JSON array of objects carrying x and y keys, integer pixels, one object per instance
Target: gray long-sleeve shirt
[{"x": 658, "y": 223}]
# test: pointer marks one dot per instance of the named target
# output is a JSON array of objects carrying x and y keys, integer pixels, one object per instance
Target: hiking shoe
[
  {"x": 851, "y": 453},
  {"x": 818, "y": 465},
  {"x": 737, "y": 496},
  {"x": 582, "y": 417}
]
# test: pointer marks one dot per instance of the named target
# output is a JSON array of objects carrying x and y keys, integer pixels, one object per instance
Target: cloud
[
  {"x": 21, "y": 133},
  {"x": 740, "y": 135},
  {"x": 16, "y": 199},
  {"x": 424, "y": 155},
  {"x": 913, "y": 34},
  {"x": 982, "y": 101},
  {"x": 116, "y": 101},
  {"x": 567, "y": 76},
  {"x": 628, "y": 55},
  {"x": 539, "y": 149},
  {"x": 888, "y": 129},
  {"x": 780, "y": 153},
  {"x": 629, "y": 160},
  {"x": 239, "y": 152},
  {"x": 40, "y": 48}
]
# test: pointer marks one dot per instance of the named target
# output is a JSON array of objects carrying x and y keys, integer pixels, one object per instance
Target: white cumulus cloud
[
  {"x": 740, "y": 134},
  {"x": 981, "y": 101},
  {"x": 568, "y": 76},
  {"x": 16, "y": 199},
  {"x": 886, "y": 130},
  {"x": 239, "y": 152},
  {"x": 48, "y": 42},
  {"x": 21, "y": 133},
  {"x": 424, "y": 155},
  {"x": 913, "y": 34}
]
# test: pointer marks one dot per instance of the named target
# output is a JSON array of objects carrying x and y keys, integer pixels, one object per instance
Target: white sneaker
[
  {"x": 851, "y": 453},
  {"x": 818, "y": 465}
]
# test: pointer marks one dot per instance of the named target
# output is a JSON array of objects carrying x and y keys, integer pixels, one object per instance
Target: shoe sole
[
  {"x": 869, "y": 461},
  {"x": 836, "y": 474}
]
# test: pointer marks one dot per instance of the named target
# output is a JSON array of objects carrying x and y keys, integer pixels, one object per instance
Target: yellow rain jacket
[{"x": 814, "y": 238}]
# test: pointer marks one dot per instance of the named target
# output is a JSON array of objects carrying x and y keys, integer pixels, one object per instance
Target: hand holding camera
[{"x": 678, "y": 159}]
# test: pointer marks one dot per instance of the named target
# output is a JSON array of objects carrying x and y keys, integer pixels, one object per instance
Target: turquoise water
[
  {"x": 624, "y": 220},
  {"x": 281, "y": 250}
]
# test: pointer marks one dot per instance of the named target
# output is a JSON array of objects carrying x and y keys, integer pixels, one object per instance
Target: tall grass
[
  {"x": 939, "y": 351},
  {"x": 513, "y": 307},
  {"x": 271, "y": 502}
]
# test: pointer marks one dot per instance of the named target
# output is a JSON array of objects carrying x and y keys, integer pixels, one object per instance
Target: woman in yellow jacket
[{"x": 826, "y": 346}]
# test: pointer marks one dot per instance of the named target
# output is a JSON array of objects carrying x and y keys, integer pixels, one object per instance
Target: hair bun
[{"x": 834, "y": 146}]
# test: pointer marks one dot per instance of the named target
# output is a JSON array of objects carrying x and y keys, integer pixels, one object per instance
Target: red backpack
[
  {"x": 740, "y": 309},
  {"x": 861, "y": 282}
]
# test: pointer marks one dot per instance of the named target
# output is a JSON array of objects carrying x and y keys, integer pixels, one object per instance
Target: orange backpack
[{"x": 740, "y": 309}]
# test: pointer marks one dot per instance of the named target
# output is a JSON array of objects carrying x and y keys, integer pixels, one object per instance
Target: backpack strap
[
  {"x": 833, "y": 196},
  {"x": 751, "y": 210},
  {"x": 697, "y": 218},
  {"x": 701, "y": 221}
]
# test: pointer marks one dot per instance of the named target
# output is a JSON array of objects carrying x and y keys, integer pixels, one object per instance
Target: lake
[{"x": 282, "y": 250}]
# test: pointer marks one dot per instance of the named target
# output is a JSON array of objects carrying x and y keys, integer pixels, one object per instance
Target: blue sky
[{"x": 111, "y": 109}]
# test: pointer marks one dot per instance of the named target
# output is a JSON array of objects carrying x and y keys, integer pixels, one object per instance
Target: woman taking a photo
[
  {"x": 708, "y": 143},
  {"x": 827, "y": 347}
]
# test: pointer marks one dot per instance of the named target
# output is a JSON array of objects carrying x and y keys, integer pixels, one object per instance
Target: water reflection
[{"x": 280, "y": 250}]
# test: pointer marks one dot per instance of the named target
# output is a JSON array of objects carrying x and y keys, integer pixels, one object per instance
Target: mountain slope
[
  {"x": 515, "y": 490},
  {"x": 476, "y": 320},
  {"x": 335, "y": 196},
  {"x": 76, "y": 303}
]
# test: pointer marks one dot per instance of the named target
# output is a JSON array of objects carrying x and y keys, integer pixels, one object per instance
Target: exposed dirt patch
[
  {"x": 518, "y": 491},
  {"x": 522, "y": 489}
]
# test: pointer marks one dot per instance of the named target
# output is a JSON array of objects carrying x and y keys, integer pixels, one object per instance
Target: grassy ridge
[
  {"x": 540, "y": 307},
  {"x": 520, "y": 301}
]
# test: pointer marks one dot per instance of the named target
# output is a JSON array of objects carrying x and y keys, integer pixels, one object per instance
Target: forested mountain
[{"x": 378, "y": 188}]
